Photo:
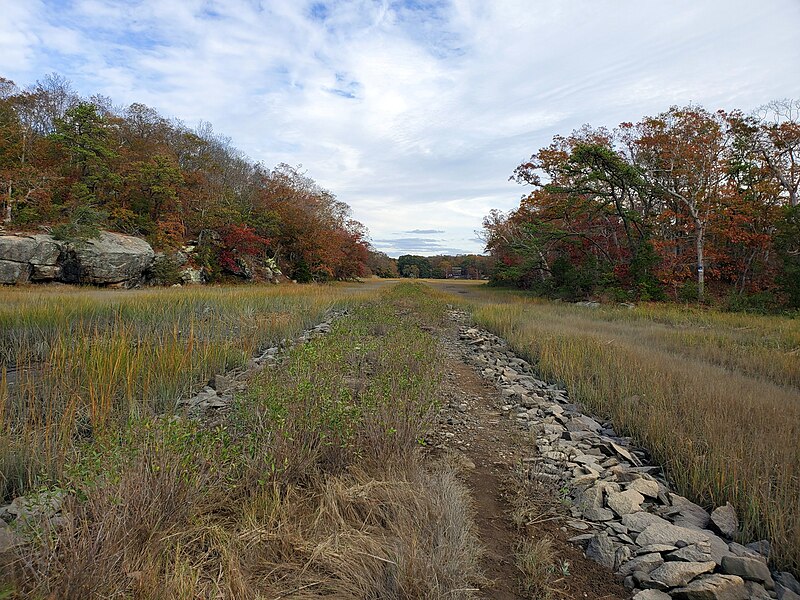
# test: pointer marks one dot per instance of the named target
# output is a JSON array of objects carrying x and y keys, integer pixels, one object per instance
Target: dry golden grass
[{"x": 714, "y": 396}]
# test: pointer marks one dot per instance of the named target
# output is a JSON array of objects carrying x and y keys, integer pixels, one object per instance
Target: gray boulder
[
  {"x": 751, "y": 569},
  {"x": 111, "y": 258},
  {"x": 28, "y": 257},
  {"x": 12, "y": 273}
]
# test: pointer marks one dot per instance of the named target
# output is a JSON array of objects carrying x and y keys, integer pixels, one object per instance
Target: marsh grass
[
  {"x": 714, "y": 396},
  {"x": 75, "y": 363},
  {"x": 311, "y": 487}
]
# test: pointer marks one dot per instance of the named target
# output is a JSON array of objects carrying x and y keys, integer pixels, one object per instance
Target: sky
[{"x": 414, "y": 112}]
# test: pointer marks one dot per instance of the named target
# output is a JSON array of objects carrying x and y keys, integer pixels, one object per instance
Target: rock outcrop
[
  {"x": 109, "y": 259},
  {"x": 25, "y": 258}
]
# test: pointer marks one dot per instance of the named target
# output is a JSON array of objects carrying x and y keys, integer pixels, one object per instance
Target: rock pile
[
  {"x": 219, "y": 392},
  {"x": 662, "y": 544}
]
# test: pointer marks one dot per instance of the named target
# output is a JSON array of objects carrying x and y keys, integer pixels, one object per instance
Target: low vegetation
[
  {"x": 714, "y": 396},
  {"x": 311, "y": 486}
]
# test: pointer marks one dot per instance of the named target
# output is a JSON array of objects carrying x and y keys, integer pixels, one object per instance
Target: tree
[
  {"x": 85, "y": 137},
  {"x": 683, "y": 153},
  {"x": 778, "y": 140}
]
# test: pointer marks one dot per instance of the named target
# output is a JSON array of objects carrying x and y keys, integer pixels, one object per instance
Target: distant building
[{"x": 455, "y": 273}]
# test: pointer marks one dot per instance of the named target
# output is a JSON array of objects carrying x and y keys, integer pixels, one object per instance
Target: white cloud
[{"x": 414, "y": 116}]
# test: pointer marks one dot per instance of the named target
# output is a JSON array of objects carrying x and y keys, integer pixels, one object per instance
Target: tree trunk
[
  {"x": 700, "y": 265},
  {"x": 7, "y": 217}
]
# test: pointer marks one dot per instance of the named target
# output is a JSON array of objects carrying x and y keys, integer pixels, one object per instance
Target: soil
[{"x": 492, "y": 449}]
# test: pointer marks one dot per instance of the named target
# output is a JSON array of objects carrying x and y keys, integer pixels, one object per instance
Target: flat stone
[
  {"x": 675, "y": 574},
  {"x": 644, "y": 563},
  {"x": 685, "y": 513},
  {"x": 752, "y": 569},
  {"x": 641, "y": 520},
  {"x": 699, "y": 552},
  {"x": 713, "y": 587},
  {"x": 583, "y": 423},
  {"x": 625, "y": 503},
  {"x": 725, "y": 520},
  {"x": 670, "y": 534},
  {"x": 646, "y": 487}
]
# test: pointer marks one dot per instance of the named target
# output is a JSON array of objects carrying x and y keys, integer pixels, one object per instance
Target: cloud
[{"x": 414, "y": 113}]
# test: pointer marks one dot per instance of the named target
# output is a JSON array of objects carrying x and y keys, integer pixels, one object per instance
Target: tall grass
[
  {"x": 76, "y": 362},
  {"x": 312, "y": 487},
  {"x": 713, "y": 396}
]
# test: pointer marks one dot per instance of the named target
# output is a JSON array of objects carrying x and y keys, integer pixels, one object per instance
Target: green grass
[{"x": 714, "y": 396}]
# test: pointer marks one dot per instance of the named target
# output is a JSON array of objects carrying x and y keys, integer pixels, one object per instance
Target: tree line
[
  {"x": 688, "y": 204},
  {"x": 74, "y": 165}
]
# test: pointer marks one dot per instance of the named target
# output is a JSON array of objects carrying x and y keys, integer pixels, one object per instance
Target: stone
[
  {"x": 785, "y": 593},
  {"x": 685, "y": 513},
  {"x": 8, "y": 538},
  {"x": 625, "y": 503},
  {"x": 761, "y": 547},
  {"x": 582, "y": 423},
  {"x": 644, "y": 563},
  {"x": 639, "y": 521},
  {"x": 748, "y": 568},
  {"x": 602, "y": 549},
  {"x": 32, "y": 249},
  {"x": 590, "y": 503},
  {"x": 646, "y": 487},
  {"x": 670, "y": 534},
  {"x": 12, "y": 273},
  {"x": 45, "y": 272},
  {"x": 111, "y": 258},
  {"x": 756, "y": 591},
  {"x": 698, "y": 552},
  {"x": 678, "y": 573},
  {"x": 725, "y": 520},
  {"x": 788, "y": 581},
  {"x": 713, "y": 587},
  {"x": 651, "y": 595},
  {"x": 222, "y": 384}
]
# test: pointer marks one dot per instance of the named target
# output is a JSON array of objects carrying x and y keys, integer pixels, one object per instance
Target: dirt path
[{"x": 493, "y": 451}]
